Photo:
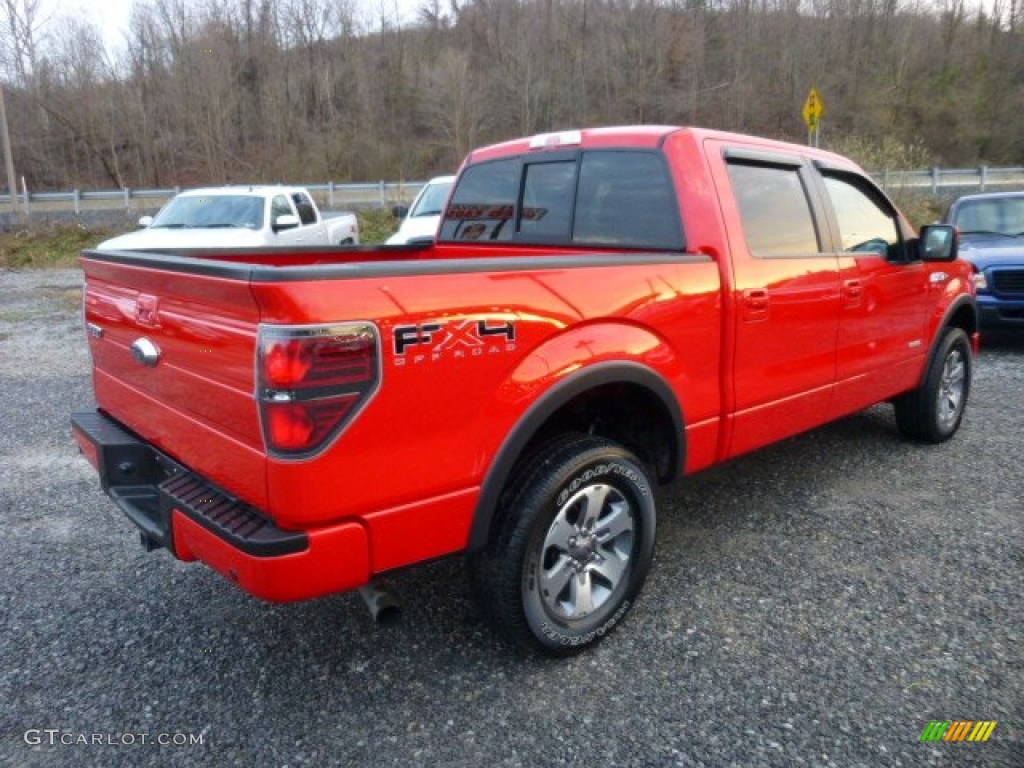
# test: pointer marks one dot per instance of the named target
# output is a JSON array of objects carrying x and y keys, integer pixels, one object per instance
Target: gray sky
[{"x": 113, "y": 16}]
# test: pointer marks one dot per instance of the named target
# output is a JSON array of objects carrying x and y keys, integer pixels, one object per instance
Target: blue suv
[{"x": 992, "y": 239}]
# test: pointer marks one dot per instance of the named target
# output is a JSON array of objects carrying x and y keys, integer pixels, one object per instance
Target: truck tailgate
[{"x": 173, "y": 356}]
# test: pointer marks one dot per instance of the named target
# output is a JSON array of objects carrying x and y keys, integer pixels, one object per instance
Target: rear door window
[
  {"x": 307, "y": 213},
  {"x": 775, "y": 210}
]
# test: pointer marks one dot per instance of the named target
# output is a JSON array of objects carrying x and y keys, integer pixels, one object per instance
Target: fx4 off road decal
[{"x": 452, "y": 340}]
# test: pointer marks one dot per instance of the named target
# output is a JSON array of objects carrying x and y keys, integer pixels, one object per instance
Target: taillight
[{"x": 312, "y": 381}]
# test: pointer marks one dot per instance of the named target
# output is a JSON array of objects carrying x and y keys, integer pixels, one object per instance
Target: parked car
[
  {"x": 422, "y": 217},
  {"x": 216, "y": 217},
  {"x": 992, "y": 239},
  {"x": 601, "y": 311}
]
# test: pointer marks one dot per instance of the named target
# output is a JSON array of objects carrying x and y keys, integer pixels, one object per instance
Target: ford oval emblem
[{"x": 146, "y": 352}]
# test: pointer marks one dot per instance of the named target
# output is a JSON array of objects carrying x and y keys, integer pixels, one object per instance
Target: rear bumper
[{"x": 177, "y": 509}]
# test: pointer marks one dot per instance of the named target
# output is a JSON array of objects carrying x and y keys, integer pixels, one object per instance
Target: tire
[
  {"x": 572, "y": 546},
  {"x": 932, "y": 413}
]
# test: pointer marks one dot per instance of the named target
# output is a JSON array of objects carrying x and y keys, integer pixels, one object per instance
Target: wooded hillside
[{"x": 311, "y": 90}]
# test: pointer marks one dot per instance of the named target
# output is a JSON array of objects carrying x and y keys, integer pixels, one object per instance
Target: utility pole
[{"x": 12, "y": 185}]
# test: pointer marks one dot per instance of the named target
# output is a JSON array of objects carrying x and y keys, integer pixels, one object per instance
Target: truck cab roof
[
  {"x": 642, "y": 136},
  {"x": 256, "y": 190}
]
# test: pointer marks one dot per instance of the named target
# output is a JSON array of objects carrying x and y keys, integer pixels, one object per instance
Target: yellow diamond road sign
[{"x": 813, "y": 109}]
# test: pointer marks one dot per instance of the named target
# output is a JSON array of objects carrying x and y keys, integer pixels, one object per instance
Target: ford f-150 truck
[
  {"x": 237, "y": 217},
  {"x": 602, "y": 311}
]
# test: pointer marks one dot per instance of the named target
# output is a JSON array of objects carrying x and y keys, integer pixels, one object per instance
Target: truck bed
[{"x": 199, "y": 407}]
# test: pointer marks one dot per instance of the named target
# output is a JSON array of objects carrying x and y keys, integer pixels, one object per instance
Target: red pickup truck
[{"x": 601, "y": 311}]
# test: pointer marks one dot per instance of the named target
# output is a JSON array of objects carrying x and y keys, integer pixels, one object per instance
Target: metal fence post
[
  {"x": 127, "y": 199},
  {"x": 330, "y": 194},
  {"x": 382, "y": 194},
  {"x": 983, "y": 173},
  {"x": 935, "y": 180},
  {"x": 78, "y": 202}
]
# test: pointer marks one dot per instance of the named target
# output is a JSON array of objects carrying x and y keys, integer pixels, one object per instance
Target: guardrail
[
  {"x": 383, "y": 194},
  {"x": 961, "y": 180}
]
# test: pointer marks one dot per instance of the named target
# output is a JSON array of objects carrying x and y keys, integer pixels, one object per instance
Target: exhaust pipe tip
[{"x": 382, "y": 604}]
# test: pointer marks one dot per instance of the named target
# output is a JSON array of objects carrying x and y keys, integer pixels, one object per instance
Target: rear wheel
[
  {"x": 573, "y": 544},
  {"x": 932, "y": 413}
]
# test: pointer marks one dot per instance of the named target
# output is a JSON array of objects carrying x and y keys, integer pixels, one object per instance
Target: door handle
[
  {"x": 853, "y": 291},
  {"x": 754, "y": 302},
  {"x": 756, "y": 298}
]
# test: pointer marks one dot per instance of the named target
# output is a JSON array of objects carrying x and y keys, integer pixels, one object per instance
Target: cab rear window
[{"x": 613, "y": 198}]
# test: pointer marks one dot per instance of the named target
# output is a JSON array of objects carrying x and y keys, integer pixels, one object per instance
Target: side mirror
[
  {"x": 938, "y": 242},
  {"x": 145, "y": 221},
  {"x": 286, "y": 221},
  {"x": 400, "y": 211}
]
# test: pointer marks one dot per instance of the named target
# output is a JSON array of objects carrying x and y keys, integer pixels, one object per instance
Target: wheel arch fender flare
[
  {"x": 961, "y": 305},
  {"x": 962, "y": 312},
  {"x": 546, "y": 406}
]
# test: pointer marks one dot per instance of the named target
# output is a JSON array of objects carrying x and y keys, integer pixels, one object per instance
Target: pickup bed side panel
[{"x": 456, "y": 381}]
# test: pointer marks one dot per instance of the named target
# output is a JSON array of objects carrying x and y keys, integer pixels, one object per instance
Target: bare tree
[
  {"x": 250, "y": 90},
  {"x": 21, "y": 26},
  {"x": 455, "y": 104}
]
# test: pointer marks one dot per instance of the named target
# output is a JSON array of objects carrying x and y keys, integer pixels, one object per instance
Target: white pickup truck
[
  {"x": 217, "y": 217},
  {"x": 420, "y": 220}
]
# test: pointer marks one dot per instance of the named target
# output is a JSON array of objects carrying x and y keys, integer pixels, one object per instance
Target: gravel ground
[{"x": 817, "y": 603}]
